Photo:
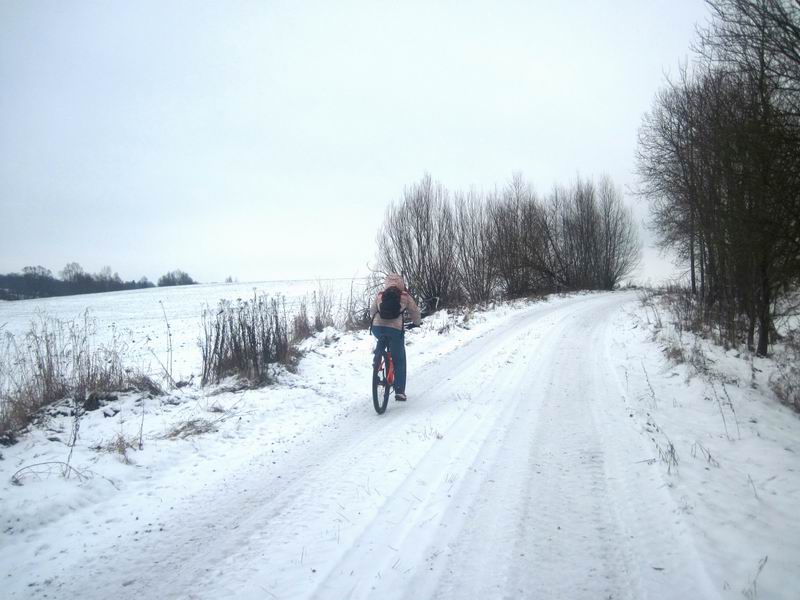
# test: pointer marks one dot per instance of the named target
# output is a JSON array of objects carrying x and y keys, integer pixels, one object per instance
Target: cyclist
[{"x": 387, "y": 311}]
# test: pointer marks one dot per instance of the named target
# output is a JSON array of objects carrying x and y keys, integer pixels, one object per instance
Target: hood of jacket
[{"x": 396, "y": 280}]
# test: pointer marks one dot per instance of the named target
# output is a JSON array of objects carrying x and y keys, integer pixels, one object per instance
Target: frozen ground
[{"x": 547, "y": 450}]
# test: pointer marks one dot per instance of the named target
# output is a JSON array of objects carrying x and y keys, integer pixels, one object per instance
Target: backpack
[{"x": 389, "y": 307}]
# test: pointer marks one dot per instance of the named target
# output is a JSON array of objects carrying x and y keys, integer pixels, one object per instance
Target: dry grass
[
  {"x": 301, "y": 327},
  {"x": 356, "y": 309},
  {"x": 674, "y": 352},
  {"x": 243, "y": 338},
  {"x": 56, "y": 360},
  {"x": 120, "y": 446},
  {"x": 45, "y": 470},
  {"x": 323, "y": 302},
  {"x": 786, "y": 382},
  {"x": 190, "y": 428}
]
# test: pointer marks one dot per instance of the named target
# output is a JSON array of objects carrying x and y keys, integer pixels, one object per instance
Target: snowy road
[{"x": 514, "y": 471}]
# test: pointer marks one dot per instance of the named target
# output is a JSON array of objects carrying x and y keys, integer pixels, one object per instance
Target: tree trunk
[
  {"x": 764, "y": 316},
  {"x": 751, "y": 330},
  {"x": 691, "y": 254}
]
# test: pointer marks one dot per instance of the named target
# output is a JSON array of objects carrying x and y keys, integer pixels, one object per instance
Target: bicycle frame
[{"x": 389, "y": 369}]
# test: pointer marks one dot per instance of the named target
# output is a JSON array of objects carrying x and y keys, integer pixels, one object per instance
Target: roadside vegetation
[
  {"x": 246, "y": 338},
  {"x": 719, "y": 160},
  {"x": 58, "y": 360},
  {"x": 456, "y": 248},
  {"x": 243, "y": 338},
  {"x": 676, "y": 314}
]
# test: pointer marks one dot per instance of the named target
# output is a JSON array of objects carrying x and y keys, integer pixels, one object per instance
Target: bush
[
  {"x": 357, "y": 306},
  {"x": 691, "y": 313},
  {"x": 416, "y": 240},
  {"x": 301, "y": 328},
  {"x": 243, "y": 338},
  {"x": 323, "y": 302},
  {"x": 468, "y": 247}
]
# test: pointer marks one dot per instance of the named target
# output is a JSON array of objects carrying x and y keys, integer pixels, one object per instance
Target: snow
[
  {"x": 141, "y": 317},
  {"x": 742, "y": 501},
  {"x": 526, "y": 463}
]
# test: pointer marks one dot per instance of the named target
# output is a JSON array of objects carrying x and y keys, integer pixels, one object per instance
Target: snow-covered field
[
  {"x": 547, "y": 450},
  {"x": 140, "y": 317}
]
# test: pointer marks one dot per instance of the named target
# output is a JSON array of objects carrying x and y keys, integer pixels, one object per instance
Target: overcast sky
[{"x": 264, "y": 140}]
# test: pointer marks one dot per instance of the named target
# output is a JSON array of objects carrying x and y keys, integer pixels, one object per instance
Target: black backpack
[{"x": 390, "y": 304}]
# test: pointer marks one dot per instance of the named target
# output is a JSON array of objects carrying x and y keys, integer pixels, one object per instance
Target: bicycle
[{"x": 383, "y": 372}]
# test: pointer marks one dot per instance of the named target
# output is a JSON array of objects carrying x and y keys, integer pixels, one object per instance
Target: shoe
[{"x": 400, "y": 397}]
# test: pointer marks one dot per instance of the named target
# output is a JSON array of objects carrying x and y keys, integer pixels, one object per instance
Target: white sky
[{"x": 263, "y": 140}]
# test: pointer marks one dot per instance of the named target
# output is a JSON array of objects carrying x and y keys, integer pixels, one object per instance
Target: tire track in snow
[
  {"x": 392, "y": 543},
  {"x": 537, "y": 511},
  {"x": 526, "y": 516},
  {"x": 585, "y": 520},
  {"x": 259, "y": 529},
  {"x": 286, "y": 567},
  {"x": 507, "y": 475}
]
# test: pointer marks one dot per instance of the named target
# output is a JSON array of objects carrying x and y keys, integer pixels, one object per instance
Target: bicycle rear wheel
[{"x": 380, "y": 385}]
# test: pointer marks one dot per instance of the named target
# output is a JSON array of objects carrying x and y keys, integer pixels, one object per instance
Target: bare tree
[
  {"x": 719, "y": 158},
  {"x": 619, "y": 248},
  {"x": 510, "y": 221},
  {"x": 757, "y": 36},
  {"x": 416, "y": 240},
  {"x": 71, "y": 271},
  {"x": 510, "y": 242},
  {"x": 472, "y": 246},
  {"x": 592, "y": 239}
]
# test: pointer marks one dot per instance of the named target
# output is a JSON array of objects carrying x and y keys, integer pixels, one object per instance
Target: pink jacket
[{"x": 406, "y": 304}]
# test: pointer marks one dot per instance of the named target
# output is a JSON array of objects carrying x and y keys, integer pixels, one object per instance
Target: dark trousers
[{"x": 397, "y": 347}]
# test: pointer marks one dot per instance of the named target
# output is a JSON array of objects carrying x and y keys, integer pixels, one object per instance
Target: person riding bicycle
[{"x": 387, "y": 311}]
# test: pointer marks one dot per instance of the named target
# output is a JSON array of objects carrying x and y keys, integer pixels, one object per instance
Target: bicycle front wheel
[{"x": 380, "y": 385}]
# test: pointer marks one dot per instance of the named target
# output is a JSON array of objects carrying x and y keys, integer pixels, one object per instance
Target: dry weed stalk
[
  {"x": 56, "y": 360},
  {"x": 243, "y": 338}
]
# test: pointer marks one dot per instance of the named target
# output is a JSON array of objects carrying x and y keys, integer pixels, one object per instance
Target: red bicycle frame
[{"x": 390, "y": 369}]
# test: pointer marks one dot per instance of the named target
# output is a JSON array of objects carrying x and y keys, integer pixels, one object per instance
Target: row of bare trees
[
  {"x": 39, "y": 282},
  {"x": 471, "y": 247},
  {"x": 719, "y": 158}
]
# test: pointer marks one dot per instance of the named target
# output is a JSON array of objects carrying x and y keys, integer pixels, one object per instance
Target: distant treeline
[{"x": 39, "y": 282}]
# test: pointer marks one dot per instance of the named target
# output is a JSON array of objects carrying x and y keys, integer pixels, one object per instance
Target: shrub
[
  {"x": 323, "y": 302},
  {"x": 243, "y": 338},
  {"x": 416, "y": 240},
  {"x": 301, "y": 329},
  {"x": 453, "y": 248},
  {"x": 357, "y": 306}
]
